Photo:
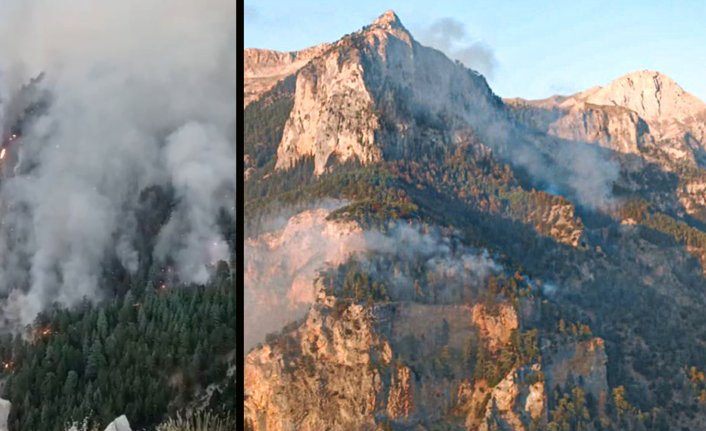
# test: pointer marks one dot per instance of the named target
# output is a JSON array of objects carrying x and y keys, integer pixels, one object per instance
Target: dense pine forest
[{"x": 151, "y": 351}]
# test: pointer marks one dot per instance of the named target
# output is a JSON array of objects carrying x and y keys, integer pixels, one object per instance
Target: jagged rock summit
[
  {"x": 373, "y": 92},
  {"x": 390, "y": 22},
  {"x": 389, "y": 18},
  {"x": 264, "y": 68}
]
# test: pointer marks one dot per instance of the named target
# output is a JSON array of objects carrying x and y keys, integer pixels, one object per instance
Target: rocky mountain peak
[
  {"x": 389, "y": 18},
  {"x": 367, "y": 79},
  {"x": 651, "y": 94},
  {"x": 388, "y": 24},
  {"x": 644, "y": 112}
]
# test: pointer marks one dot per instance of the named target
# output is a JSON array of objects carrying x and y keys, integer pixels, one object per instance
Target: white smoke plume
[
  {"x": 281, "y": 265},
  {"x": 549, "y": 289},
  {"x": 142, "y": 93},
  {"x": 452, "y": 271},
  {"x": 577, "y": 170},
  {"x": 199, "y": 159},
  {"x": 450, "y": 36}
]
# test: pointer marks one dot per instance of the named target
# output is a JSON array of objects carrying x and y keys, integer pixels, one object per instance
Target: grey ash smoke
[{"x": 126, "y": 151}]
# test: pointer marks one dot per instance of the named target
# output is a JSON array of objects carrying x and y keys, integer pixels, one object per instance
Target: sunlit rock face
[
  {"x": 644, "y": 113},
  {"x": 370, "y": 93},
  {"x": 264, "y": 68}
]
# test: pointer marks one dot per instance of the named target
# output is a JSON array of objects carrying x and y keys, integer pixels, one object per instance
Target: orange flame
[{"x": 44, "y": 332}]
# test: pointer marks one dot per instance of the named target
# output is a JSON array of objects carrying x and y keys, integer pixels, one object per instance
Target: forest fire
[
  {"x": 42, "y": 332},
  {"x": 7, "y": 141},
  {"x": 7, "y": 366}
]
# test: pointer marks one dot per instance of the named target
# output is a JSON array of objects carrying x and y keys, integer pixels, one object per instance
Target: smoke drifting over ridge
[
  {"x": 450, "y": 36},
  {"x": 282, "y": 264},
  {"x": 142, "y": 93},
  {"x": 578, "y": 170}
]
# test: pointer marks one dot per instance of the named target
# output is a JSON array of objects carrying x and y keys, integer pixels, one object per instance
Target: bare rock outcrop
[
  {"x": 351, "y": 366},
  {"x": 321, "y": 376},
  {"x": 498, "y": 328},
  {"x": 373, "y": 92},
  {"x": 644, "y": 113},
  {"x": 264, "y": 68},
  {"x": 400, "y": 401}
]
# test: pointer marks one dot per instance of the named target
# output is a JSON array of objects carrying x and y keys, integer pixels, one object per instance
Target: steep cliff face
[
  {"x": 332, "y": 114},
  {"x": 320, "y": 376},
  {"x": 612, "y": 127},
  {"x": 402, "y": 365},
  {"x": 264, "y": 68},
  {"x": 373, "y": 92},
  {"x": 400, "y": 400}
]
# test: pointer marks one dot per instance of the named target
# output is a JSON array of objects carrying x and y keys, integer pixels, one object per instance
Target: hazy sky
[{"x": 526, "y": 49}]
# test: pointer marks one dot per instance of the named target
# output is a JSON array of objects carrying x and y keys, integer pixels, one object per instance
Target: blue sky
[{"x": 538, "y": 48}]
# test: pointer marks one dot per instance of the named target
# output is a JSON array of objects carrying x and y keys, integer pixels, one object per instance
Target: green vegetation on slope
[{"x": 143, "y": 355}]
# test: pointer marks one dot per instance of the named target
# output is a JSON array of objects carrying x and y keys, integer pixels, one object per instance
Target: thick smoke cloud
[
  {"x": 453, "y": 273},
  {"x": 282, "y": 265},
  {"x": 142, "y": 93},
  {"x": 590, "y": 175},
  {"x": 199, "y": 159},
  {"x": 450, "y": 36},
  {"x": 578, "y": 170}
]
